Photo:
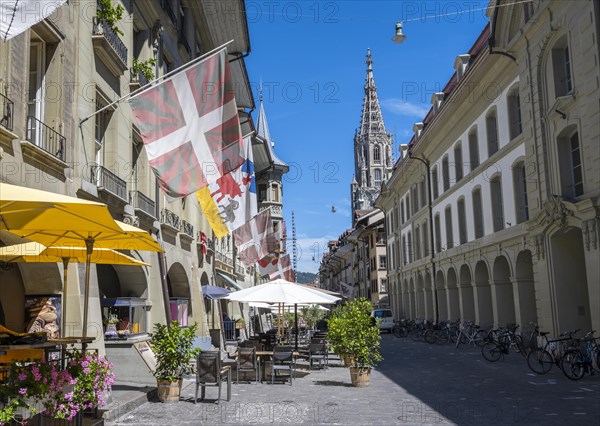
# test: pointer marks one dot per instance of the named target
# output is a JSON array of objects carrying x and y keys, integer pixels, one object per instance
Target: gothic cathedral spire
[{"x": 372, "y": 148}]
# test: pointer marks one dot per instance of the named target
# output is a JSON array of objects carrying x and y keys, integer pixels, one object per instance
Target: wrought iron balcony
[
  {"x": 109, "y": 47},
  {"x": 224, "y": 259},
  {"x": 110, "y": 182},
  {"x": 141, "y": 202},
  {"x": 6, "y": 112},
  {"x": 187, "y": 228},
  {"x": 46, "y": 138},
  {"x": 170, "y": 219},
  {"x": 239, "y": 269}
]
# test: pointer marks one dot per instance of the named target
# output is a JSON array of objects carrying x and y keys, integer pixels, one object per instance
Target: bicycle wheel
[
  {"x": 492, "y": 351},
  {"x": 453, "y": 333},
  {"x": 442, "y": 336},
  {"x": 539, "y": 361},
  {"x": 429, "y": 336},
  {"x": 397, "y": 331},
  {"x": 480, "y": 338},
  {"x": 572, "y": 365},
  {"x": 415, "y": 335}
]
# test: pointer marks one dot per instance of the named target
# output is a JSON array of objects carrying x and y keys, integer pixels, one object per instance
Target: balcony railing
[
  {"x": 46, "y": 138},
  {"x": 107, "y": 180},
  {"x": 6, "y": 111},
  {"x": 169, "y": 218},
  {"x": 167, "y": 6},
  {"x": 187, "y": 228},
  {"x": 102, "y": 28},
  {"x": 239, "y": 269},
  {"x": 223, "y": 258},
  {"x": 139, "y": 201}
]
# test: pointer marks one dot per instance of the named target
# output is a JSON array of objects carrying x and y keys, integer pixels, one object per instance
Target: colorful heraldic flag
[
  {"x": 230, "y": 201},
  {"x": 190, "y": 126},
  {"x": 17, "y": 16},
  {"x": 251, "y": 239}
]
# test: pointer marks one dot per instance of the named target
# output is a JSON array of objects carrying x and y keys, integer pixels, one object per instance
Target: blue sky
[{"x": 310, "y": 57}]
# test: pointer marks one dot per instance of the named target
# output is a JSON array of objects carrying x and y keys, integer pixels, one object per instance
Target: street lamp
[
  {"x": 399, "y": 37},
  {"x": 431, "y": 242}
]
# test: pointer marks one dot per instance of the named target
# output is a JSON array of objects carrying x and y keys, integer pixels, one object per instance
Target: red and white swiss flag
[{"x": 190, "y": 126}]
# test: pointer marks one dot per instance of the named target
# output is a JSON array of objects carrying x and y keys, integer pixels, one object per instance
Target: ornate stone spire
[
  {"x": 371, "y": 119},
  {"x": 372, "y": 148}
]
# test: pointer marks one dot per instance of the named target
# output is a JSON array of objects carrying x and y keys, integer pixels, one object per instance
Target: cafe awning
[{"x": 228, "y": 281}]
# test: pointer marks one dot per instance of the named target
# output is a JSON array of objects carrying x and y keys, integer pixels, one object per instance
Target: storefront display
[{"x": 124, "y": 317}]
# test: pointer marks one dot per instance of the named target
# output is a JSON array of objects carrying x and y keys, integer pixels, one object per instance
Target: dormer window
[
  {"x": 417, "y": 129},
  {"x": 436, "y": 101},
  {"x": 460, "y": 65}
]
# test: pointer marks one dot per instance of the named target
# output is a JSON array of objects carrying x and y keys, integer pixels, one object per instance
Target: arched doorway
[
  {"x": 571, "y": 296},
  {"x": 504, "y": 303},
  {"x": 429, "y": 298},
  {"x": 441, "y": 294},
  {"x": 179, "y": 294},
  {"x": 123, "y": 297},
  {"x": 452, "y": 295},
  {"x": 525, "y": 290},
  {"x": 204, "y": 279},
  {"x": 467, "y": 301},
  {"x": 484, "y": 310},
  {"x": 421, "y": 297},
  {"x": 413, "y": 299}
]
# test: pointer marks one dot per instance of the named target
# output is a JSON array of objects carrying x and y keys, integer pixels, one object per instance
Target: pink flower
[
  {"x": 23, "y": 391},
  {"x": 22, "y": 376}
]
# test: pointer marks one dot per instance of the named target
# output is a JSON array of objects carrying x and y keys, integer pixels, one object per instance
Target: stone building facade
[
  {"x": 54, "y": 78},
  {"x": 512, "y": 150}
]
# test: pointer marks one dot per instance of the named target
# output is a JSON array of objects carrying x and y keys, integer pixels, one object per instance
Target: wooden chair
[
  {"x": 247, "y": 361},
  {"x": 283, "y": 360},
  {"x": 210, "y": 372}
]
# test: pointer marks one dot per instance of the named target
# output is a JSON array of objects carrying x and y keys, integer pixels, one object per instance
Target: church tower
[{"x": 372, "y": 148}]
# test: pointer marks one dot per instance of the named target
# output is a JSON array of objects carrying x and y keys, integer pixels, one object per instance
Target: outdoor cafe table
[{"x": 47, "y": 345}]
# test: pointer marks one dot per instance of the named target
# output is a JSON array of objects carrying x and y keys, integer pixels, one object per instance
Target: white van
[{"x": 384, "y": 318}]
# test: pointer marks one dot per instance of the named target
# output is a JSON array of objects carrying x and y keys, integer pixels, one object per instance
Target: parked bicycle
[
  {"x": 541, "y": 360},
  {"x": 472, "y": 334},
  {"x": 576, "y": 362}
]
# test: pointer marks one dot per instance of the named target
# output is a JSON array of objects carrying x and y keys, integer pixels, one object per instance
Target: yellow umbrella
[
  {"x": 58, "y": 221},
  {"x": 127, "y": 237},
  {"x": 27, "y": 208},
  {"x": 37, "y": 253}
]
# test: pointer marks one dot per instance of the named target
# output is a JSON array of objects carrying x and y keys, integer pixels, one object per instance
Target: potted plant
[
  {"x": 173, "y": 347},
  {"x": 357, "y": 337},
  {"x": 110, "y": 15},
  {"x": 145, "y": 68}
]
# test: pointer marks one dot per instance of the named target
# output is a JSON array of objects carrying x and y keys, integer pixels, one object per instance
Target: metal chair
[
  {"x": 283, "y": 360},
  {"x": 247, "y": 361},
  {"x": 318, "y": 352},
  {"x": 210, "y": 372}
]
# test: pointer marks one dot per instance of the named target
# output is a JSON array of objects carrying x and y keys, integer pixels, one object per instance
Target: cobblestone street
[{"x": 417, "y": 383}]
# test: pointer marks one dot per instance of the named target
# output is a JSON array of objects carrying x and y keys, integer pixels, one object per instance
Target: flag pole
[{"x": 162, "y": 77}]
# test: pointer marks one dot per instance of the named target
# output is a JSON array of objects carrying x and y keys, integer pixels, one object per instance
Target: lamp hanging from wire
[{"x": 399, "y": 37}]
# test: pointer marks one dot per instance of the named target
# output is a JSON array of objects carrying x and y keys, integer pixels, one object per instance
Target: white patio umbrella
[
  {"x": 285, "y": 293},
  {"x": 282, "y": 291}
]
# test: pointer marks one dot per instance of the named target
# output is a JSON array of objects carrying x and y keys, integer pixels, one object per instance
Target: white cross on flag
[
  {"x": 279, "y": 267},
  {"x": 251, "y": 239},
  {"x": 190, "y": 126}
]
